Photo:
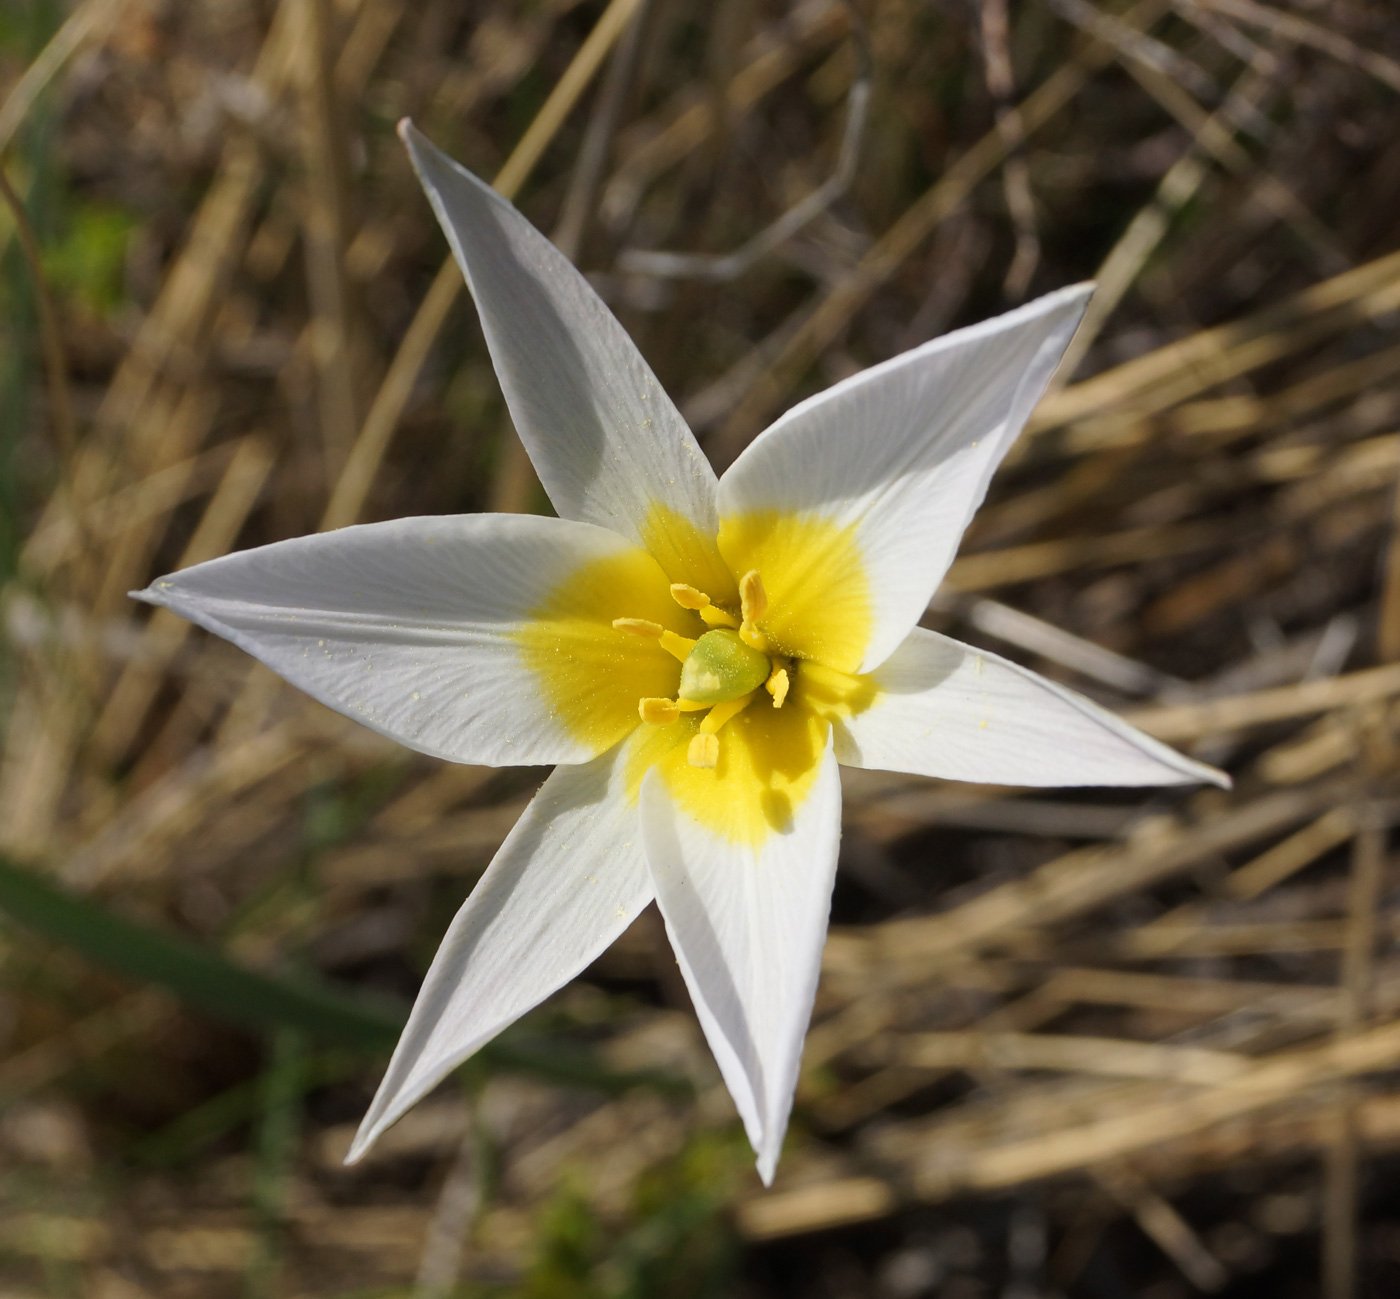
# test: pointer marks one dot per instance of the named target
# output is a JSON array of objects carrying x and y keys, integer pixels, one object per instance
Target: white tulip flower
[{"x": 696, "y": 655}]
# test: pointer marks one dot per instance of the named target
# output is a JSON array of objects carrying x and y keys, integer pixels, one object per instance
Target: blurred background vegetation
[{"x": 1067, "y": 1044}]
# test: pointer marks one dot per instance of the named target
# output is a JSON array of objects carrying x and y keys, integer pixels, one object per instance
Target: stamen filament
[
  {"x": 703, "y": 750},
  {"x": 752, "y": 637},
  {"x": 679, "y": 646},
  {"x": 688, "y": 597},
  {"x": 721, "y": 713},
  {"x": 713, "y": 616}
]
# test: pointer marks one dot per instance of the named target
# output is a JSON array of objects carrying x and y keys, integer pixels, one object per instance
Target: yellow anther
[
  {"x": 721, "y": 713},
  {"x": 659, "y": 712},
  {"x": 777, "y": 686},
  {"x": 753, "y": 598},
  {"x": 713, "y": 616},
  {"x": 680, "y": 646},
  {"x": 688, "y": 597},
  {"x": 754, "y": 603},
  {"x": 639, "y": 627},
  {"x": 703, "y": 751}
]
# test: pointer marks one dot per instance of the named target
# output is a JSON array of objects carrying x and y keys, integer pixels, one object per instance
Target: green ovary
[{"x": 721, "y": 667}]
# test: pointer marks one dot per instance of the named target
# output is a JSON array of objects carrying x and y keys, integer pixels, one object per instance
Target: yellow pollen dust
[{"x": 724, "y": 667}]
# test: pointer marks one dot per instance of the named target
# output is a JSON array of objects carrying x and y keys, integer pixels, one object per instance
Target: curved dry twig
[
  {"x": 729, "y": 266},
  {"x": 1016, "y": 176},
  {"x": 92, "y": 20}
]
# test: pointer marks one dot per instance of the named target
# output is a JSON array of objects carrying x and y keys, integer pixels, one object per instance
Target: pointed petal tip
[
  {"x": 1193, "y": 773},
  {"x": 430, "y": 162},
  {"x": 360, "y": 1146},
  {"x": 1075, "y": 296},
  {"x": 1185, "y": 770},
  {"x": 417, "y": 144},
  {"x": 152, "y": 594},
  {"x": 1043, "y": 735},
  {"x": 1190, "y": 771},
  {"x": 419, "y": 147},
  {"x": 769, "y": 1149},
  {"x": 378, "y": 1120}
]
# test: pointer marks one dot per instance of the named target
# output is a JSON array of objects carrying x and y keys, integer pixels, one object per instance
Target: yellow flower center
[
  {"x": 736, "y": 724},
  {"x": 720, "y": 671}
]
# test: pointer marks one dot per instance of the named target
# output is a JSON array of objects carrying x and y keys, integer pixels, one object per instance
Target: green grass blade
[
  {"x": 213, "y": 983},
  {"x": 195, "y": 974}
]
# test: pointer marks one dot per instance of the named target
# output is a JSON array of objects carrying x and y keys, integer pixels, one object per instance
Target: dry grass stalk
[
  {"x": 825, "y": 320},
  {"x": 1292, "y": 27},
  {"x": 91, "y": 21},
  {"x": 365, "y": 456},
  {"x": 325, "y": 238}
]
